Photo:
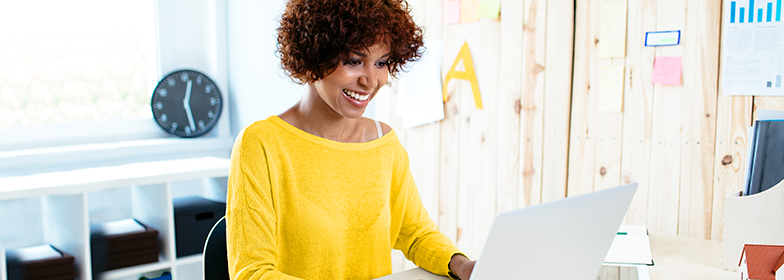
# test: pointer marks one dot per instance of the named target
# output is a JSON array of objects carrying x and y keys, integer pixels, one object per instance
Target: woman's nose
[{"x": 368, "y": 78}]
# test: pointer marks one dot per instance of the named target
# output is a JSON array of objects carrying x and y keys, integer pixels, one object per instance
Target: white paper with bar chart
[{"x": 752, "y": 48}]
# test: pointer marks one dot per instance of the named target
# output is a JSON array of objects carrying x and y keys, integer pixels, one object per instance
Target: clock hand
[{"x": 186, "y": 103}]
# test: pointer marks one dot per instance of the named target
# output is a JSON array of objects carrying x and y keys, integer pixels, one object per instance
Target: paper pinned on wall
[
  {"x": 418, "y": 93},
  {"x": 612, "y": 39},
  {"x": 489, "y": 9},
  {"x": 611, "y": 89},
  {"x": 469, "y": 11},
  {"x": 451, "y": 12},
  {"x": 667, "y": 70},
  {"x": 662, "y": 38},
  {"x": 752, "y": 53}
]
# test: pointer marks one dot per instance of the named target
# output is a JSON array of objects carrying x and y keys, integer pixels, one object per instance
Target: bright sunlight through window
[{"x": 75, "y": 60}]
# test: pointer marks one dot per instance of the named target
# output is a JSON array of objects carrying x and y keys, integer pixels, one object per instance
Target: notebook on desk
[{"x": 563, "y": 239}]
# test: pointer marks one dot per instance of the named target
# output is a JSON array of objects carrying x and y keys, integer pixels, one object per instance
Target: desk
[
  {"x": 678, "y": 257},
  {"x": 675, "y": 257}
]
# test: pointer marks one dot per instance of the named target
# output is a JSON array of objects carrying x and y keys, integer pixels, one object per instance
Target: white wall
[{"x": 258, "y": 86}]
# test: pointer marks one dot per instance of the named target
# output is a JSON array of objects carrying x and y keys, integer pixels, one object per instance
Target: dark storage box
[
  {"x": 118, "y": 250},
  {"x": 142, "y": 256},
  {"x": 194, "y": 217},
  {"x": 21, "y": 266}
]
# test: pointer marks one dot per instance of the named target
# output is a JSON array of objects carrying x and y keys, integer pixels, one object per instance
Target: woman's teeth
[{"x": 356, "y": 96}]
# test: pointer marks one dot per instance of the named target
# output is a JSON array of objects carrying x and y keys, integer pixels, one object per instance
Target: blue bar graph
[
  {"x": 778, "y": 10},
  {"x": 742, "y": 14},
  {"x": 732, "y": 11},
  {"x": 759, "y": 15},
  {"x": 751, "y": 11},
  {"x": 770, "y": 11},
  {"x": 778, "y": 81}
]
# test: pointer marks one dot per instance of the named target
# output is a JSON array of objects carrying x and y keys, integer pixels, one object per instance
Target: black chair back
[{"x": 216, "y": 263}]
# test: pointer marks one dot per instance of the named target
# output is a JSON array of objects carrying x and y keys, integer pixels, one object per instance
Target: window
[
  {"x": 75, "y": 61},
  {"x": 76, "y": 79}
]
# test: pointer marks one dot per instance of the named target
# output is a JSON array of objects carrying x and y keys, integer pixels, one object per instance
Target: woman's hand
[{"x": 461, "y": 266}]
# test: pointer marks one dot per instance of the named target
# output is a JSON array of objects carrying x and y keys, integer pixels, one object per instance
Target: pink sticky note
[
  {"x": 451, "y": 12},
  {"x": 667, "y": 70}
]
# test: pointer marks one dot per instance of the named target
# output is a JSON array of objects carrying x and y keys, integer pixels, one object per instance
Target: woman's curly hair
[{"x": 315, "y": 36}]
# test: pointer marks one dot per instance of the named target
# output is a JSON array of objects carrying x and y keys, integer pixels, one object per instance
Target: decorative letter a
[{"x": 468, "y": 74}]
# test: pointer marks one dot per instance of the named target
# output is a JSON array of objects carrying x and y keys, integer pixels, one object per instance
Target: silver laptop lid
[{"x": 564, "y": 239}]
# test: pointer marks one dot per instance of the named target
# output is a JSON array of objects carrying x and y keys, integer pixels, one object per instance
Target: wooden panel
[
  {"x": 532, "y": 101},
  {"x": 510, "y": 69},
  {"x": 609, "y": 273},
  {"x": 450, "y": 131},
  {"x": 628, "y": 273},
  {"x": 700, "y": 84},
  {"x": 768, "y": 102},
  {"x": 733, "y": 117},
  {"x": 638, "y": 108},
  {"x": 666, "y": 137},
  {"x": 581, "y": 136},
  {"x": 608, "y": 126},
  {"x": 478, "y": 158},
  {"x": 557, "y": 98}
]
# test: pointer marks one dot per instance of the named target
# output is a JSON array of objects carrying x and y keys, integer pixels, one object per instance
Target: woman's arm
[
  {"x": 418, "y": 237},
  {"x": 250, "y": 214}
]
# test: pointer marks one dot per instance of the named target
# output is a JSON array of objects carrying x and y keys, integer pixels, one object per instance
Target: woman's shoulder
[
  {"x": 385, "y": 128},
  {"x": 260, "y": 125},
  {"x": 260, "y": 130},
  {"x": 370, "y": 124}
]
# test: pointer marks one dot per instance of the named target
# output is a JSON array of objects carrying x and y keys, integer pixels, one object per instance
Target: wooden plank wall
[{"x": 540, "y": 136}]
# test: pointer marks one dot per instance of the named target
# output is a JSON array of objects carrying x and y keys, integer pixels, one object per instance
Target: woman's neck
[{"x": 314, "y": 116}]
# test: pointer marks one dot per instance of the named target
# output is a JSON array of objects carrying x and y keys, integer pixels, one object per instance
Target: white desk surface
[
  {"x": 675, "y": 257},
  {"x": 678, "y": 257}
]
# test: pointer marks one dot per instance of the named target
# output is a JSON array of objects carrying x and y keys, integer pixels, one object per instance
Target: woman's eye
[
  {"x": 383, "y": 63},
  {"x": 354, "y": 62}
]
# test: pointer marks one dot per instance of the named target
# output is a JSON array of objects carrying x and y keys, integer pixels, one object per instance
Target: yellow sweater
[{"x": 301, "y": 206}]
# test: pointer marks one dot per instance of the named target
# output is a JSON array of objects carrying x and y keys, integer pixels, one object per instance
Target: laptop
[{"x": 563, "y": 239}]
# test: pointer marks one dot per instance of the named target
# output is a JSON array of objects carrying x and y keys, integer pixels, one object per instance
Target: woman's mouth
[{"x": 355, "y": 96}]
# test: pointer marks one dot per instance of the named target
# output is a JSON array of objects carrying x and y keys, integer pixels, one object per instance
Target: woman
[{"x": 319, "y": 192}]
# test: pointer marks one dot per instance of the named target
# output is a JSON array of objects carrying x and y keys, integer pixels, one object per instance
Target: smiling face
[{"x": 349, "y": 89}]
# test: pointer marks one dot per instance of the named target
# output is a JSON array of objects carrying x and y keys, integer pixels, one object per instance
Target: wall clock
[{"x": 186, "y": 103}]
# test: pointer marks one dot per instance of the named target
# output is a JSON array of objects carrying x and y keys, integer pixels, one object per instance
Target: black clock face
[{"x": 186, "y": 103}]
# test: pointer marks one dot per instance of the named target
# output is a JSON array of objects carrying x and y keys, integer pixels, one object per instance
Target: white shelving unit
[{"x": 57, "y": 208}]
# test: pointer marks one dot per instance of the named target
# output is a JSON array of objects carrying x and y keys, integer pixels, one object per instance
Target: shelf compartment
[
  {"x": 191, "y": 271},
  {"x": 57, "y": 220},
  {"x": 65, "y": 228},
  {"x": 135, "y": 272}
]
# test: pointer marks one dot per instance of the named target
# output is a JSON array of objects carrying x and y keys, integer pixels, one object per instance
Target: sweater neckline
[{"x": 332, "y": 143}]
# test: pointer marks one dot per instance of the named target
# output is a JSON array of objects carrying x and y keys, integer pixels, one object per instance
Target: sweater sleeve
[
  {"x": 419, "y": 238},
  {"x": 250, "y": 214}
]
